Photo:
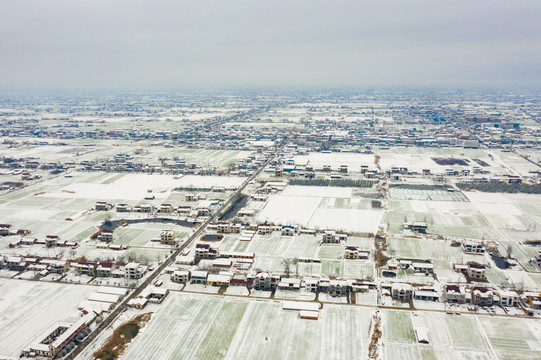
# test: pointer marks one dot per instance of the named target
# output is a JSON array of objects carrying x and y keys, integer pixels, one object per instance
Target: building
[
  {"x": 473, "y": 248},
  {"x": 146, "y": 208},
  {"x": 340, "y": 287},
  {"x": 123, "y": 208},
  {"x": 206, "y": 251},
  {"x": 86, "y": 268},
  {"x": 198, "y": 277},
  {"x": 51, "y": 240},
  {"x": 482, "y": 296},
  {"x": 104, "y": 269},
  {"x": 168, "y": 237},
  {"x": 288, "y": 230},
  {"x": 16, "y": 263},
  {"x": 181, "y": 276},
  {"x": 454, "y": 294},
  {"x": 265, "y": 281},
  {"x": 401, "y": 291},
  {"x": 165, "y": 208},
  {"x": 134, "y": 270},
  {"x": 353, "y": 252},
  {"x": 218, "y": 280},
  {"x": 264, "y": 229},
  {"x": 419, "y": 226},
  {"x": 55, "y": 338},
  {"x": 5, "y": 229},
  {"x": 103, "y": 206},
  {"x": 58, "y": 266},
  {"x": 289, "y": 284},
  {"x": 423, "y": 267},
  {"x": 477, "y": 272},
  {"x": 509, "y": 298},
  {"x": 331, "y": 237},
  {"x": 222, "y": 227},
  {"x": 106, "y": 235},
  {"x": 426, "y": 295}
]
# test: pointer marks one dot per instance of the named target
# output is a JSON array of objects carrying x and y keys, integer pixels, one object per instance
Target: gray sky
[{"x": 230, "y": 43}]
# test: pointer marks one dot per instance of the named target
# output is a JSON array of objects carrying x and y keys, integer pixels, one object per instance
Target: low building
[
  {"x": 509, "y": 298},
  {"x": 222, "y": 227},
  {"x": 86, "y": 268},
  {"x": 198, "y": 277},
  {"x": 218, "y": 280},
  {"x": 5, "y": 229},
  {"x": 340, "y": 287},
  {"x": 289, "y": 284},
  {"x": 426, "y": 295},
  {"x": 51, "y": 240},
  {"x": 123, "y": 208},
  {"x": 106, "y": 235},
  {"x": 423, "y": 267},
  {"x": 180, "y": 276},
  {"x": 331, "y": 237},
  {"x": 134, "y": 270},
  {"x": 401, "y": 291},
  {"x": 477, "y": 272},
  {"x": 419, "y": 226},
  {"x": 354, "y": 253},
  {"x": 103, "y": 206},
  {"x": 165, "y": 208},
  {"x": 264, "y": 229},
  {"x": 454, "y": 294},
  {"x": 206, "y": 251},
  {"x": 168, "y": 237},
  {"x": 473, "y": 248},
  {"x": 288, "y": 230},
  {"x": 482, "y": 296},
  {"x": 265, "y": 281}
]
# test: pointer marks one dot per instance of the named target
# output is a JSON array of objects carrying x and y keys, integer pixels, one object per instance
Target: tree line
[
  {"x": 497, "y": 187},
  {"x": 333, "y": 182}
]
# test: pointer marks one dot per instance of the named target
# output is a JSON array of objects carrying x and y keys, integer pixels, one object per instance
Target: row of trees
[
  {"x": 500, "y": 187},
  {"x": 336, "y": 182}
]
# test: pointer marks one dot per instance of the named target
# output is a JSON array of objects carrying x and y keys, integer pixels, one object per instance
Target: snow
[{"x": 28, "y": 308}]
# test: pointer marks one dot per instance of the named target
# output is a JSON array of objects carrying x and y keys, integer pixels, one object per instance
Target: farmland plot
[{"x": 28, "y": 308}]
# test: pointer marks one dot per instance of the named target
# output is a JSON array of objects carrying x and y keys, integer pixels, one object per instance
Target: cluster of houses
[
  {"x": 6, "y": 230},
  {"x": 48, "y": 241},
  {"x": 132, "y": 270},
  {"x": 224, "y": 227},
  {"x": 263, "y": 280},
  {"x": 44, "y": 267},
  {"x": 41, "y": 266},
  {"x": 201, "y": 210}
]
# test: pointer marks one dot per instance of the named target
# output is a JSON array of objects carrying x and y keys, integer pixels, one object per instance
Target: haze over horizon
[{"x": 168, "y": 44}]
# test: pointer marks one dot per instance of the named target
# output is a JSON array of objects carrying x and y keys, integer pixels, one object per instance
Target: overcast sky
[{"x": 230, "y": 43}]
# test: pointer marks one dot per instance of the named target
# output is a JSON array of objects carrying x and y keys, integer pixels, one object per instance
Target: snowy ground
[
  {"x": 28, "y": 308},
  {"x": 320, "y": 207},
  {"x": 486, "y": 338},
  {"x": 213, "y": 327}
]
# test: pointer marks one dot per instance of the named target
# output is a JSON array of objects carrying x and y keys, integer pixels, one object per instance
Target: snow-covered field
[
  {"x": 28, "y": 308},
  {"x": 320, "y": 207},
  {"x": 485, "y": 338},
  {"x": 335, "y": 159},
  {"x": 213, "y": 327}
]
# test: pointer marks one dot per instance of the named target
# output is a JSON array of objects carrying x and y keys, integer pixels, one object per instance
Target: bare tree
[
  {"x": 509, "y": 250},
  {"x": 286, "y": 262}
]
